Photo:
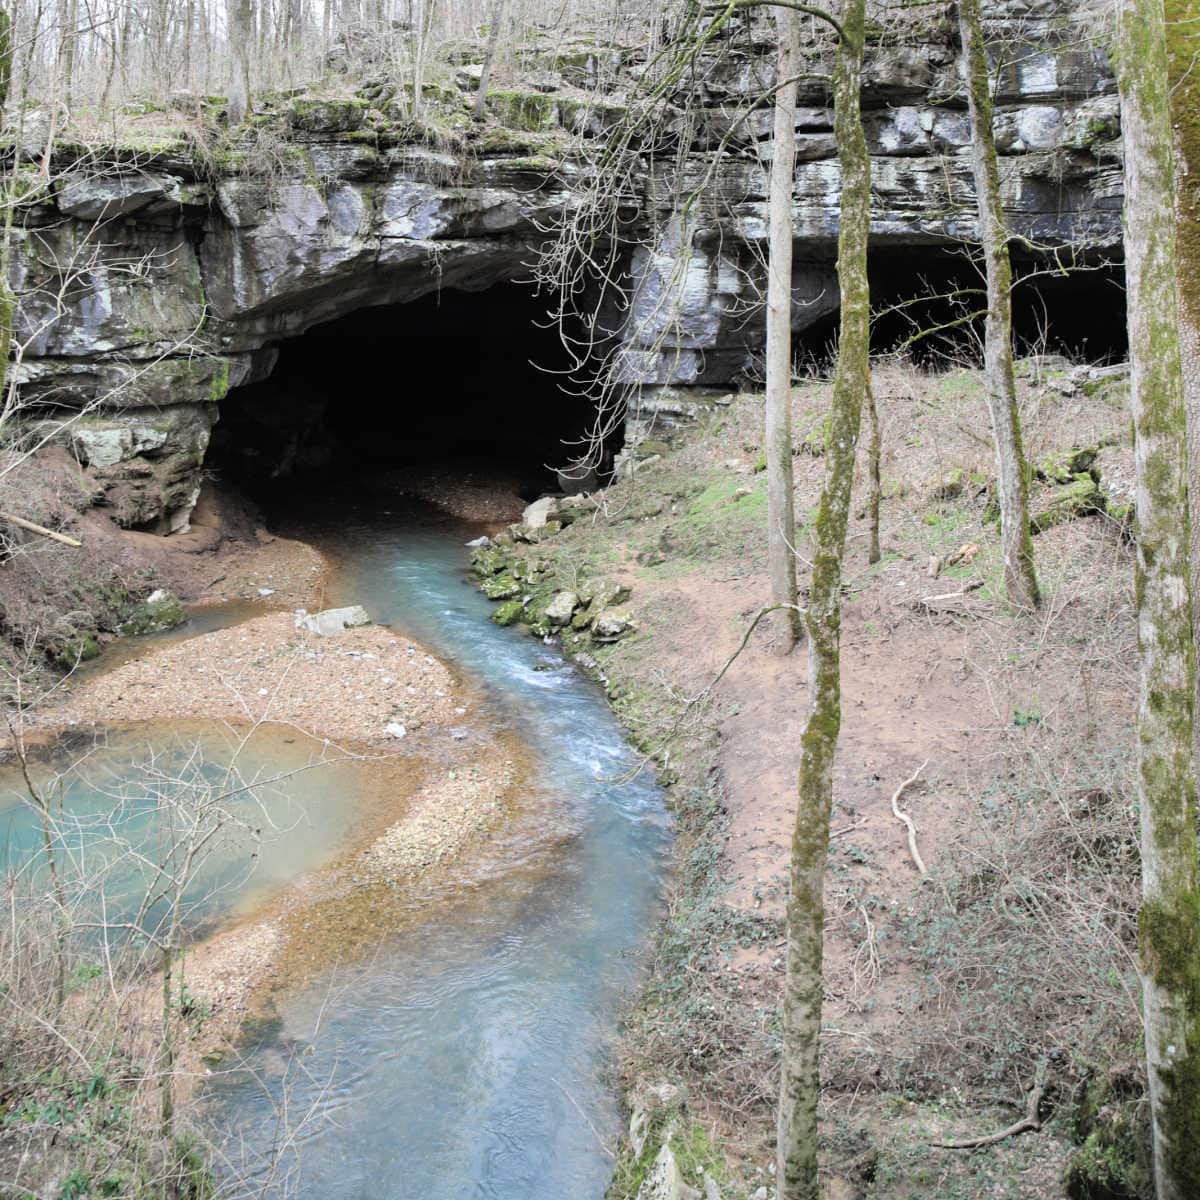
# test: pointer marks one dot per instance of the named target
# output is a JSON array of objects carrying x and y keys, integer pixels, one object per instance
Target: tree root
[
  {"x": 1031, "y": 1122},
  {"x": 908, "y": 821}
]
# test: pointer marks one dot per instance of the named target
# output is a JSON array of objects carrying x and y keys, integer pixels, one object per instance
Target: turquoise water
[
  {"x": 468, "y": 1056},
  {"x": 127, "y": 804}
]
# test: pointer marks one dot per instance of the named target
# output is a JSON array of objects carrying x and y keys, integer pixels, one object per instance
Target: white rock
[
  {"x": 334, "y": 620},
  {"x": 396, "y": 730},
  {"x": 611, "y": 624},
  {"x": 560, "y": 610},
  {"x": 539, "y": 512},
  {"x": 666, "y": 1181},
  {"x": 157, "y": 596},
  {"x": 266, "y": 591},
  {"x": 480, "y": 541}
]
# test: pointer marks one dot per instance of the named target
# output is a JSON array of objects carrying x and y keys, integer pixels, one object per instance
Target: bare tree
[
  {"x": 781, "y": 514},
  {"x": 240, "y": 17},
  {"x": 874, "y": 478},
  {"x": 495, "y": 20},
  {"x": 1020, "y": 579},
  {"x": 800, "y": 1088},
  {"x": 1169, "y": 947}
]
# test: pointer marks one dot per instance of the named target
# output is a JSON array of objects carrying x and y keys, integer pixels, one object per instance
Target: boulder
[
  {"x": 1064, "y": 465},
  {"x": 508, "y": 613},
  {"x": 612, "y": 624},
  {"x": 597, "y": 597},
  {"x": 333, "y": 620},
  {"x": 539, "y": 512},
  {"x": 1081, "y": 497},
  {"x": 488, "y": 560},
  {"x": 501, "y": 587},
  {"x": 577, "y": 479},
  {"x": 561, "y": 609},
  {"x": 665, "y": 1180}
]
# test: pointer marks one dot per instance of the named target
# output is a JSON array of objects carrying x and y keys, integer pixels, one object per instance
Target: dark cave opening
[
  {"x": 453, "y": 377},
  {"x": 1077, "y": 311}
]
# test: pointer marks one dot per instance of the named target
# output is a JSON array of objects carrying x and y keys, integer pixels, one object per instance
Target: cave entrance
[
  {"x": 1078, "y": 312},
  {"x": 454, "y": 381}
]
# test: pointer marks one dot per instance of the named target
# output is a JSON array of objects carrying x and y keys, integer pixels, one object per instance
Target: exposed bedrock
[{"x": 151, "y": 289}]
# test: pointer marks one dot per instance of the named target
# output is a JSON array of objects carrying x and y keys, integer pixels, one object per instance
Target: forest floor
[{"x": 945, "y": 996}]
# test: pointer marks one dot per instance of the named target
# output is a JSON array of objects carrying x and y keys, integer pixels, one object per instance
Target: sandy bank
[{"x": 347, "y": 688}]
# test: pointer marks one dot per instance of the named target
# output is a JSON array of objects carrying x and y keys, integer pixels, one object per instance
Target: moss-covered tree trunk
[
  {"x": 781, "y": 512},
  {"x": 1183, "y": 47},
  {"x": 1020, "y": 578},
  {"x": 1169, "y": 923},
  {"x": 797, "y": 1135}
]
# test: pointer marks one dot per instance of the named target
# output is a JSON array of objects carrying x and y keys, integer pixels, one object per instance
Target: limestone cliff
[{"x": 156, "y": 278}]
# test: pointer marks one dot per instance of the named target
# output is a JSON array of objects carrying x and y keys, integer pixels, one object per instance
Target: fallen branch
[
  {"x": 21, "y": 523},
  {"x": 908, "y": 821},
  {"x": 973, "y": 586},
  {"x": 1030, "y": 1122}
]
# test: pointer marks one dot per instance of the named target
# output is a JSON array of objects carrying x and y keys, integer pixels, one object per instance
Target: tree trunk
[
  {"x": 240, "y": 21},
  {"x": 797, "y": 1145},
  {"x": 1183, "y": 45},
  {"x": 781, "y": 518},
  {"x": 8, "y": 301},
  {"x": 489, "y": 59},
  {"x": 1020, "y": 579},
  {"x": 1169, "y": 949},
  {"x": 69, "y": 16},
  {"x": 874, "y": 479}
]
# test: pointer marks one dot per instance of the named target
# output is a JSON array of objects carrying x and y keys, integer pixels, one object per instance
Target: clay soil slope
[{"x": 947, "y": 996}]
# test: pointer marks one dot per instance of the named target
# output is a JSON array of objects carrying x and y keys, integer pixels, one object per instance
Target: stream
[{"x": 468, "y": 1053}]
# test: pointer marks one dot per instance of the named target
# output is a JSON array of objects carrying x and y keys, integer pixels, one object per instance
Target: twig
[
  {"x": 848, "y": 828},
  {"x": 1030, "y": 1122},
  {"x": 21, "y": 523},
  {"x": 908, "y": 821},
  {"x": 599, "y": 1140}
]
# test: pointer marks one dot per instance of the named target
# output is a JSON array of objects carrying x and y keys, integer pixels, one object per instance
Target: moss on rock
[
  {"x": 156, "y": 614},
  {"x": 1081, "y": 497},
  {"x": 320, "y": 115},
  {"x": 530, "y": 111},
  {"x": 508, "y": 613}
]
